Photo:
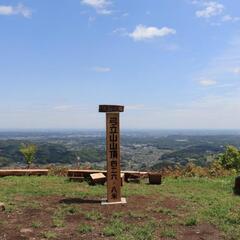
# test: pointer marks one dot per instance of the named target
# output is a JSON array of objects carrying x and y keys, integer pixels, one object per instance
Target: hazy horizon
[{"x": 150, "y": 132}]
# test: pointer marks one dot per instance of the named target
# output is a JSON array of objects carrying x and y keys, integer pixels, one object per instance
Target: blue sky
[{"x": 172, "y": 63}]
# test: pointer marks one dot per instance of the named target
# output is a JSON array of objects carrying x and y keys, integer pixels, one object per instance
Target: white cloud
[
  {"x": 229, "y": 18},
  {"x": 102, "y": 69},
  {"x": 236, "y": 70},
  {"x": 195, "y": 2},
  {"x": 6, "y": 10},
  {"x": 207, "y": 82},
  {"x": 20, "y": 9},
  {"x": 222, "y": 67},
  {"x": 211, "y": 9},
  {"x": 101, "y": 6},
  {"x": 120, "y": 31},
  {"x": 96, "y": 3},
  {"x": 142, "y": 32}
]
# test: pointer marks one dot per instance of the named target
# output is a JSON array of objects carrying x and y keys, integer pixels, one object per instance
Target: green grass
[
  {"x": 169, "y": 233},
  {"x": 145, "y": 232},
  {"x": 114, "y": 228},
  {"x": 93, "y": 215},
  {"x": 138, "y": 215},
  {"x": 207, "y": 200},
  {"x": 118, "y": 214},
  {"x": 58, "y": 221},
  {"x": 58, "y": 217},
  {"x": 49, "y": 235},
  {"x": 36, "y": 224},
  {"x": 211, "y": 200},
  {"x": 165, "y": 211},
  {"x": 72, "y": 210},
  {"x": 84, "y": 228},
  {"x": 191, "y": 221},
  {"x": 46, "y": 186},
  {"x": 121, "y": 230}
]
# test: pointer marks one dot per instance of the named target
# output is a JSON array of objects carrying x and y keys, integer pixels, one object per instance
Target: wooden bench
[
  {"x": 155, "y": 178},
  {"x": 98, "y": 178},
  {"x": 75, "y": 176},
  {"x": 81, "y": 174},
  {"x": 23, "y": 172},
  {"x": 132, "y": 176}
]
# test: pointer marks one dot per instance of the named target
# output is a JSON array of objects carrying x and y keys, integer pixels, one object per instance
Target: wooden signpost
[{"x": 113, "y": 153}]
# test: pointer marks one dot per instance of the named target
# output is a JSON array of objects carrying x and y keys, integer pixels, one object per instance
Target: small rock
[
  {"x": 26, "y": 230},
  {"x": 2, "y": 207}
]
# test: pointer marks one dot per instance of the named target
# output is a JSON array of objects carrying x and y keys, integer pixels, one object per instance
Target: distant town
[{"x": 140, "y": 150}]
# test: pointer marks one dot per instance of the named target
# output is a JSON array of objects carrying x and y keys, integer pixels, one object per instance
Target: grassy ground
[{"x": 54, "y": 208}]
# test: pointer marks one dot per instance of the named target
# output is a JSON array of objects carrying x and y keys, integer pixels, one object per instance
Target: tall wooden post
[{"x": 113, "y": 153}]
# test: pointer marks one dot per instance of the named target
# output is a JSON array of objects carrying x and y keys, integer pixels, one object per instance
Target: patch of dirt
[
  {"x": 137, "y": 211},
  {"x": 172, "y": 203},
  {"x": 201, "y": 232}
]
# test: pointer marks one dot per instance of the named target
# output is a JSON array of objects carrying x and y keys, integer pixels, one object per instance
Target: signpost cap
[{"x": 111, "y": 108}]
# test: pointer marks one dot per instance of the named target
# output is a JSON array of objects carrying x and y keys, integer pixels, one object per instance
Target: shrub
[
  {"x": 28, "y": 151},
  {"x": 230, "y": 159},
  {"x": 57, "y": 171}
]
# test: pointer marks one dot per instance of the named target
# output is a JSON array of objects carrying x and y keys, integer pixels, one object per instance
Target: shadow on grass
[{"x": 79, "y": 201}]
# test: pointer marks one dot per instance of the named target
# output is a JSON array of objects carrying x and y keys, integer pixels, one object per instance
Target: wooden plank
[
  {"x": 86, "y": 171},
  {"x": 122, "y": 178},
  {"x": 111, "y": 108},
  {"x": 132, "y": 177},
  {"x": 98, "y": 178},
  {"x": 22, "y": 172},
  {"x": 113, "y": 158},
  {"x": 89, "y": 171},
  {"x": 155, "y": 178},
  {"x": 71, "y": 172},
  {"x": 77, "y": 179},
  {"x": 102, "y": 171}
]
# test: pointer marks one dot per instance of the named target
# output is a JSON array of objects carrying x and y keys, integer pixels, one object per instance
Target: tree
[
  {"x": 28, "y": 151},
  {"x": 230, "y": 159}
]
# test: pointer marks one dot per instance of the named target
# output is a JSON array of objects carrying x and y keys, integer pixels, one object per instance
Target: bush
[
  {"x": 28, "y": 151},
  {"x": 215, "y": 169},
  {"x": 230, "y": 159},
  {"x": 57, "y": 171}
]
